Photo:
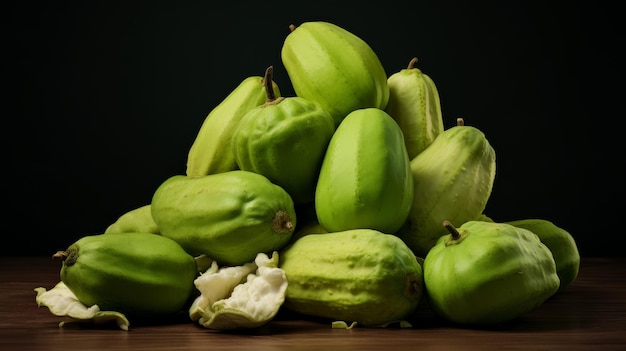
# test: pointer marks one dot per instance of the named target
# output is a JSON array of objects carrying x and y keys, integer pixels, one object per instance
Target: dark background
[{"x": 103, "y": 100}]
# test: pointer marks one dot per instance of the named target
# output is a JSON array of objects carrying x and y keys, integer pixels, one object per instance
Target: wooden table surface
[{"x": 589, "y": 315}]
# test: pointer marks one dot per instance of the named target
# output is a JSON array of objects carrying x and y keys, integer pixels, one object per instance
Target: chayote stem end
[
  {"x": 282, "y": 222},
  {"x": 452, "y": 229},
  {"x": 60, "y": 255},
  {"x": 413, "y": 289},
  {"x": 68, "y": 256}
]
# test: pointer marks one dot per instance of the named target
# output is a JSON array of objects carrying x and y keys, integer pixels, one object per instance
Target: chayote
[
  {"x": 360, "y": 275},
  {"x": 335, "y": 68},
  {"x": 453, "y": 179},
  {"x": 285, "y": 140},
  {"x": 488, "y": 272},
  {"x": 365, "y": 180},
  {"x": 138, "y": 274},
  {"x": 229, "y": 216}
]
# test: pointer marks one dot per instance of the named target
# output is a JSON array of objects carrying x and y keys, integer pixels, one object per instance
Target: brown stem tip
[
  {"x": 268, "y": 83},
  {"x": 60, "y": 255},
  {"x": 452, "y": 229}
]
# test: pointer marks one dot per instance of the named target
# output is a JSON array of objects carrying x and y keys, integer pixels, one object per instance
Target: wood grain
[{"x": 589, "y": 315}]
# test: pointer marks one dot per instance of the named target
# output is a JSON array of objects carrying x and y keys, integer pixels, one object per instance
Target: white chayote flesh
[
  {"x": 62, "y": 302},
  {"x": 245, "y": 296}
]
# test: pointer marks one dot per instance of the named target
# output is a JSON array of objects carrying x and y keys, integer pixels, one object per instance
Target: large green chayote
[
  {"x": 335, "y": 68},
  {"x": 285, "y": 140},
  {"x": 414, "y": 103},
  {"x": 359, "y": 275},
  {"x": 365, "y": 180},
  {"x": 138, "y": 274},
  {"x": 488, "y": 272},
  {"x": 229, "y": 216}
]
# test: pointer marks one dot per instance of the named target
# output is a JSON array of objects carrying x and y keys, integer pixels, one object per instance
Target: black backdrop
[{"x": 103, "y": 100}]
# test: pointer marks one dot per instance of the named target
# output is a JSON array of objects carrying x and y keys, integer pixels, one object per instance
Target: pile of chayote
[{"x": 347, "y": 202}]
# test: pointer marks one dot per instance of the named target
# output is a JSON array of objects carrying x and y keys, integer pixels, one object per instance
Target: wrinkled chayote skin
[
  {"x": 131, "y": 273},
  {"x": 560, "y": 242},
  {"x": 365, "y": 180},
  {"x": 230, "y": 216},
  {"x": 285, "y": 140},
  {"x": 359, "y": 275},
  {"x": 335, "y": 68},
  {"x": 489, "y": 273},
  {"x": 453, "y": 180}
]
